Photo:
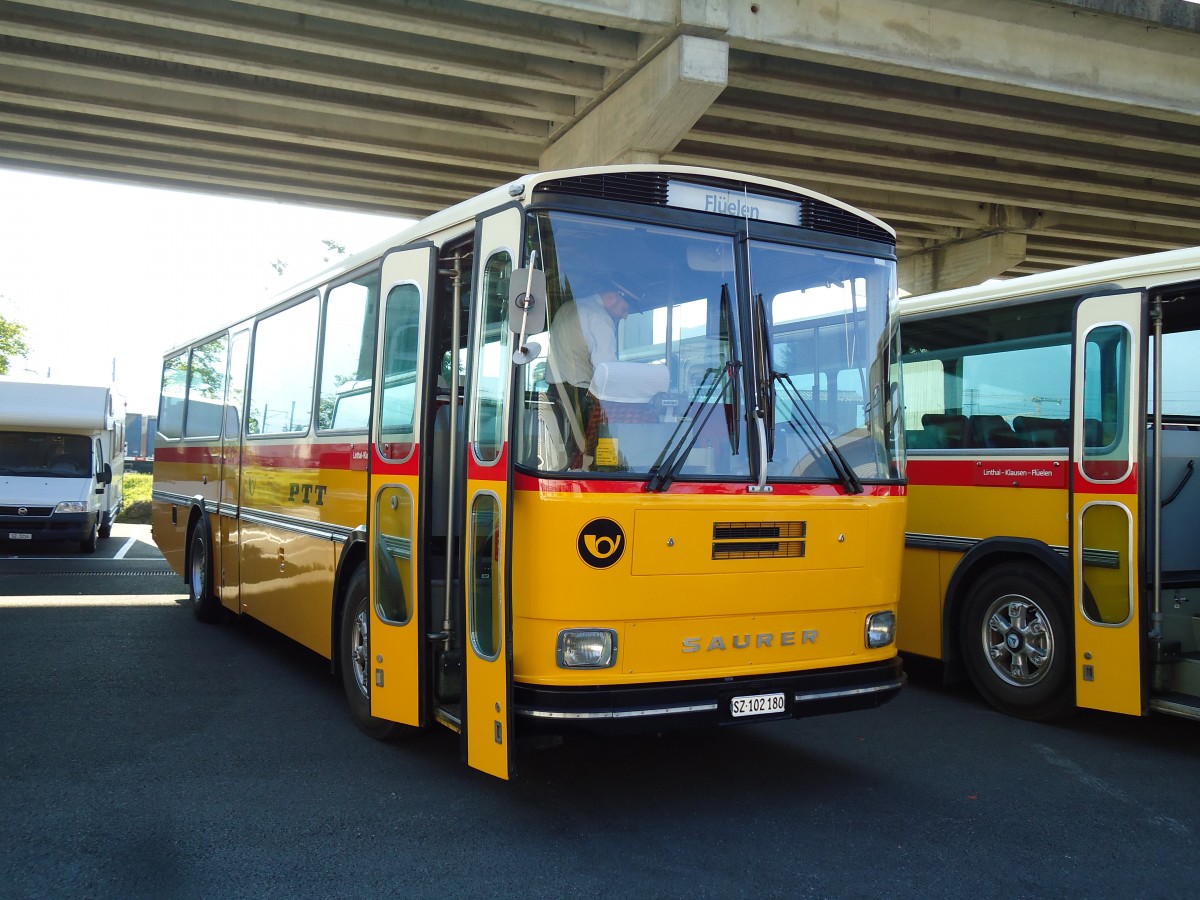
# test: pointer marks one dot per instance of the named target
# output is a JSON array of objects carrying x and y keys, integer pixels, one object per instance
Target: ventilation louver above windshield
[{"x": 651, "y": 189}]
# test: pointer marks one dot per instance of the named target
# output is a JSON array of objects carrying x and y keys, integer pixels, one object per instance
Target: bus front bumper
[{"x": 695, "y": 704}]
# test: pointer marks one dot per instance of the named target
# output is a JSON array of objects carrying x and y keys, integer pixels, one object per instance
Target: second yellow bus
[{"x": 1053, "y": 546}]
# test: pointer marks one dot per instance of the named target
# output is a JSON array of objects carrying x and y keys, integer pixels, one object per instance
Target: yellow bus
[
  {"x": 391, "y": 466},
  {"x": 1053, "y": 428}
]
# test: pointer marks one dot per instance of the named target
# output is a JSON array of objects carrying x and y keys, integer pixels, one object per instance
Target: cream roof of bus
[
  {"x": 449, "y": 222},
  {"x": 458, "y": 219},
  {"x": 1132, "y": 272}
]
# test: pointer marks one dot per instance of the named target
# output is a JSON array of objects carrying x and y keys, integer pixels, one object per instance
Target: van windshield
[{"x": 45, "y": 454}]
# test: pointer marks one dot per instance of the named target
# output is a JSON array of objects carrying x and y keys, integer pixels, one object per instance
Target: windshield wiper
[
  {"x": 735, "y": 431},
  {"x": 675, "y": 452},
  {"x": 847, "y": 475}
]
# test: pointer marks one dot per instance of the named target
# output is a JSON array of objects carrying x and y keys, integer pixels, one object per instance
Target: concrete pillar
[{"x": 651, "y": 112}]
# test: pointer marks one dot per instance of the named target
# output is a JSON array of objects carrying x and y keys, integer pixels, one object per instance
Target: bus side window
[
  {"x": 171, "y": 398},
  {"x": 206, "y": 390},
  {"x": 281, "y": 381},
  {"x": 347, "y": 347}
]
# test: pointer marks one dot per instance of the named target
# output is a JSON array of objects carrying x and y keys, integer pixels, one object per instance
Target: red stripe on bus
[
  {"x": 558, "y": 485},
  {"x": 277, "y": 456},
  {"x": 1044, "y": 474}
]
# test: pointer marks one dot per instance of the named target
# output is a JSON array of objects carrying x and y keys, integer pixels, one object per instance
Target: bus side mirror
[{"x": 527, "y": 310}]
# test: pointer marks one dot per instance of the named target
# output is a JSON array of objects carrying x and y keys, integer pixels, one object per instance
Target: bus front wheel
[
  {"x": 205, "y": 605},
  {"x": 1016, "y": 642},
  {"x": 354, "y": 656}
]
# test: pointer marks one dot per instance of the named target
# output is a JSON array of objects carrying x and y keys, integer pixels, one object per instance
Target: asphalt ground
[{"x": 145, "y": 754}]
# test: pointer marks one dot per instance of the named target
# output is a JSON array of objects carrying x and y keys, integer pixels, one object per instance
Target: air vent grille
[
  {"x": 30, "y": 511},
  {"x": 650, "y": 189},
  {"x": 759, "y": 540}
]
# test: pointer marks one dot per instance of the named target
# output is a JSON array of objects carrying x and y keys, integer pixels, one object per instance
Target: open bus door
[
  {"x": 229, "y": 577},
  {"x": 1108, "y": 434},
  {"x": 487, "y": 614},
  {"x": 397, "y": 620}
]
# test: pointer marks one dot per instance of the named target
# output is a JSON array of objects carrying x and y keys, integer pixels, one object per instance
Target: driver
[{"x": 583, "y": 335}]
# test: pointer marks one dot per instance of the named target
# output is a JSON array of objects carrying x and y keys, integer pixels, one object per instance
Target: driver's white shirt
[{"x": 582, "y": 336}]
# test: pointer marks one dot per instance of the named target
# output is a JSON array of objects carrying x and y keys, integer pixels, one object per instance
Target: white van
[{"x": 62, "y": 462}]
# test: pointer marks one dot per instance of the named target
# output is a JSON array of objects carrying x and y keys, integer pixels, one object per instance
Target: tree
[{"x": 12, "y": 342}]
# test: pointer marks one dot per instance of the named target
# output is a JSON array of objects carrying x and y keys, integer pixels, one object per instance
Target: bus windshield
[
  {"x": 831, "y": 410},
  {"x": 659, "y": 370},
  {"x": 640, "y": 366}
]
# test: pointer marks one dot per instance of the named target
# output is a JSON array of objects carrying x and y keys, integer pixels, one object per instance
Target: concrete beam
[
  {"x": 650, "y": 113},
  {"x": 962, "y": 264},
  {"x": 1040, "y": 51}
]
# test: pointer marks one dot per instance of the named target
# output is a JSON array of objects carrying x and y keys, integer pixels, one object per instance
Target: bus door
[
  {"x": 229, "y": 578},
  {"x": 397, "y": 619},
  {"x": 487, "y": 616},
  {"x": 1105, "y": 552}
]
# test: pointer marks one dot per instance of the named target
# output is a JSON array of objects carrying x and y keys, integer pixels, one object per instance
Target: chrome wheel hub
[
  {"x": 1017, "y": 640},
  {"x": 199, "y": 567}
]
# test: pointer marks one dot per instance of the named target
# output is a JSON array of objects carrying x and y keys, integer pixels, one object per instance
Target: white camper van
[{"x": 62, "y": 458}]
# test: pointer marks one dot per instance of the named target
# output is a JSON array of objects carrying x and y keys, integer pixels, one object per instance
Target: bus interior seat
[
  {"x": 1180, "y": 526},
  {"x": 1041, "y": 432},
  {"x": 917, "y": 439},
  {"x": 947, "y": 431},
  {"x": 992, "y": 431}
]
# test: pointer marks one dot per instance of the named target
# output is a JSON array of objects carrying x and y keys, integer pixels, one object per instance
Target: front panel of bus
[{"x": 709, "y": 528}]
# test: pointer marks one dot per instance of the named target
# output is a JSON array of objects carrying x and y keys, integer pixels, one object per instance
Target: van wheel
[
  {"x": 106, "y": 531},
  {"x": 1016, "y": 643},
  {"x": 205, "y": 606},
  {"x": 354, "y": 659},
  {"x": 88, "y": 545}
]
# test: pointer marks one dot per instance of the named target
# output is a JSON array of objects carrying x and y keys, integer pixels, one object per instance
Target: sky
[{"x": 108, "y": 277}]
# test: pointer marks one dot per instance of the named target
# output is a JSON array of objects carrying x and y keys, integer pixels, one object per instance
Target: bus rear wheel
[
  {"x": 354, "y": 659},
  {"x": 1016, "y": 642},
  {"x": 205, "y": 605}
]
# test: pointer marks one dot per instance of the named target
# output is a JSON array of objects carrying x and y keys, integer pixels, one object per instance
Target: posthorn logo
[{"x": 601, "y": 543}]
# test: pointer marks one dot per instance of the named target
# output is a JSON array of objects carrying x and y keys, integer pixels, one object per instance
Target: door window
[{"x": 1106, "y": 399}]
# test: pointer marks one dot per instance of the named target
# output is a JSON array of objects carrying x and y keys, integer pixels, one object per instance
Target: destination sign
[{"x": 707, "y": 198}]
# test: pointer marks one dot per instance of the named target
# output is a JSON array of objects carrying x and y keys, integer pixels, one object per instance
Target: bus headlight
[
  {"x": 72, "y": 506},
  {"x": 881, "y": 629},
  {"x": 587, "y": 648}
]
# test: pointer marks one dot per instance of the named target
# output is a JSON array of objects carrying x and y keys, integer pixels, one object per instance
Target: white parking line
[
  {"x": 85, "y": 600},
  {"x": 125, "y": 549}
]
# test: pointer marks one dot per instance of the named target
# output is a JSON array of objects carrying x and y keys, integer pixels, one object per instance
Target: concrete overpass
[{"x": 998, "y": 138}]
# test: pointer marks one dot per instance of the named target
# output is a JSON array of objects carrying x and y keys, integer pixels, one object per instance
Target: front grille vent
[
  {"x": 30, "y": 511},
  {"x": 821, "y": 216},
  {"x": 649, "y": 188},
  {"x": 759, "y": 540}
]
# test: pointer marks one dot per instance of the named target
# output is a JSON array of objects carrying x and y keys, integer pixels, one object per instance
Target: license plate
[
  {"x": 757, "y": 705},
  {"x": 19, "y": 536}
]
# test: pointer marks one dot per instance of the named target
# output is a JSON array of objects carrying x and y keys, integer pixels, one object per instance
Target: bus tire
[
  {"x": 354, "y": 658},
  {"x": 1016, "y": 642},
  {"x": 205, "y": 605}
]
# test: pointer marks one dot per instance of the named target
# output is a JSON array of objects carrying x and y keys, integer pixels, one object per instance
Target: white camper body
[{"x": 62, "y": 461}]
